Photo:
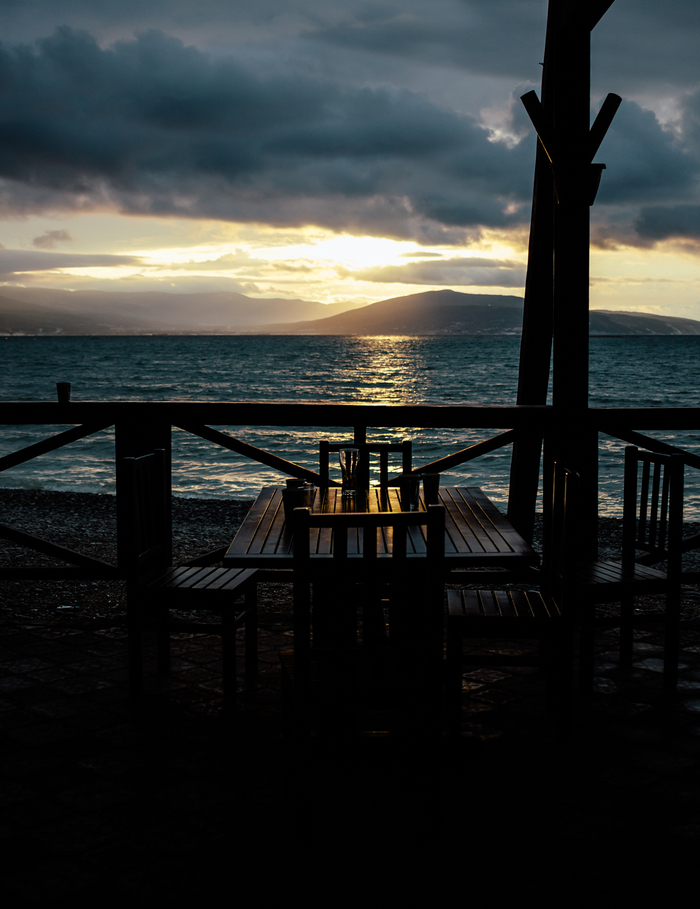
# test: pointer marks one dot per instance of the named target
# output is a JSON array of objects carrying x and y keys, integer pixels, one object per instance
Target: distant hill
[
  {"x": 613, "y": 322},
  {"x": 442, "y": 312},
  {"x": 37, "y": 311},
  {"x": 29, "y": 310},
  {"x": 429, "y": 313}
]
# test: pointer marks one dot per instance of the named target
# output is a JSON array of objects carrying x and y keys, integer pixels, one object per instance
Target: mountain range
[
  {"x": 30, "y": 310},
  {"x": 46, "y": 311}
]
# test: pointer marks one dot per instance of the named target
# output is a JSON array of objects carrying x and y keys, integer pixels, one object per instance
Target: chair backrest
[
  {"x": 366, "y": 449},
  {"x": 144, "y": 541},
  {"x": 652, "y": 507},
  {"x": 404, "y": 550},
  {"x": 559, "y": 543}
]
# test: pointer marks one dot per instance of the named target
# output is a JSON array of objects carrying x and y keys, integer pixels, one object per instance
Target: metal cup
[{"x": 349, "y": 462}]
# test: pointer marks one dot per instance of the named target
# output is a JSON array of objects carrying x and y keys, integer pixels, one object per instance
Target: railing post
[
  {"x": 538, "y": 315},
  {"x": 132, "y": 439},
  {"x": 524, "y": 482},
  {"x": 360, "y": 435}
]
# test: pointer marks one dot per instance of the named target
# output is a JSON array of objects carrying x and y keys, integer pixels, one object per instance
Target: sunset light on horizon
[{"x": 340, "y": 154}]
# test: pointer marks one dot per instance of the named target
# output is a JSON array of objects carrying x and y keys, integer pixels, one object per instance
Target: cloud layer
[
  {"x": 18, "y": 261},
  {"x": 153, "y": 126},
  {"x": 268, "y": 126}
]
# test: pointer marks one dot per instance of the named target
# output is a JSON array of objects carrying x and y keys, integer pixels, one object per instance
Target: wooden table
[{"x": 476, "y": 533}]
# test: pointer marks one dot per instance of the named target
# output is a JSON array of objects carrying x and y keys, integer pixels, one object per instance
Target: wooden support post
[
  {"x": 132, "y": 439},
  {"x": 568, "y": 144},
  {"x": 571, "y": 110},
  {"x": 536, "y": 341}
]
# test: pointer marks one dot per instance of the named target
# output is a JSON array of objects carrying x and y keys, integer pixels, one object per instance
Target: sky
[{"x": 340, "y": 152}]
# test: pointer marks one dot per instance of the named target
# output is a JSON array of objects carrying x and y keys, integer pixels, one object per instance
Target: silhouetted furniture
[
  {"x": 368, "y": 623},
  {"x": 543, "y": 614},
  {"x": 366, "y": 449},
  {"x": 154, "y": 587},
  {"x": 652, "y": 532},
  {"x": 477, "y": 535}
]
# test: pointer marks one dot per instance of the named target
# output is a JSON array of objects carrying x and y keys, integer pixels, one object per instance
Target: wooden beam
[
  {"x": 51, "y": 444},
  {"x": 38, "y": 544},
  {"x": 253, "y": 453},
  {"x": 453, "y": 416},
  {"x": 584, "y": 13},
  {"x": 602, "y": 122},
  {"x": 466, "y": 454},
  {"x": 538, "y": 118},
  {"x": 138, "y": 417},
  {"x": 596, "y": 9},
  {"x": 30, "y": 573},
  {"x": 538, "y": 307},
  {"x": 655, "y": 445}
]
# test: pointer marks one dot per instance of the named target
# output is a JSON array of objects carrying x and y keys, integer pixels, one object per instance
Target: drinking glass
[
  {"x": 409, "y": 487},
  {"x": 431, "y": 488},
  {"x": 349, "y": 461}
]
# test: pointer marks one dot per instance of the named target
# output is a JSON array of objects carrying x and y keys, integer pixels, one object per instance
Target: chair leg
[
  {"x": 251, "y": 634},
  {"x": 453, "y": 678},
  {"x": 672, "y": 640},
  {"x": 587, "y": 648},
  {"x": 162, "y": 638},
  {"x": 228, "y": 658},
  {"x": 134, "y": 646},
  {"x": 626, "y": 630},
  {"x": 559, "y": 681}
]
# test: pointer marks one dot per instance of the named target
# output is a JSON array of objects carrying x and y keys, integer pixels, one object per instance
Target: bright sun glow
[
  {"x": 313, "y": 263},
  {"x": 345, "y": 249}
]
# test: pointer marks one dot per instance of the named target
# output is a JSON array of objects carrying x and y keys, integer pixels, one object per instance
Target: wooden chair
[
  {"x": 542, "y": 614},
  {"x": 348, "y": 673},
  {"x": 367, "y": 449},
  {"x": 652, "y": 532},
  {"x": 154, "y": 587}
]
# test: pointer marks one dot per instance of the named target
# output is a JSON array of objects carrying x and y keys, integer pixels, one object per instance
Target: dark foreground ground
[{"x": 171, "y": 802}]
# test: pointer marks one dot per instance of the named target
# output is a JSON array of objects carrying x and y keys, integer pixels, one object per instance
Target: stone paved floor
[{"x": 170, "y": 801}]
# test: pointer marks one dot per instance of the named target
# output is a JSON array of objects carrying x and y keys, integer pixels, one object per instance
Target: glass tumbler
[{"x": 349, "y": 462}]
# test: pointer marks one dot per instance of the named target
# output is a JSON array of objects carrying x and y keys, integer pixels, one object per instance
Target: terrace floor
[{"x": 168, "y": 801}]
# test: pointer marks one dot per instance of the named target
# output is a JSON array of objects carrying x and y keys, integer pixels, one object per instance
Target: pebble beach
[{"x": 87, "y": 523}]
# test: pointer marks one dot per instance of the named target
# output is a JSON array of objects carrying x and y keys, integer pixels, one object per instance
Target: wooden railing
[{"x": 143, "y": 426}]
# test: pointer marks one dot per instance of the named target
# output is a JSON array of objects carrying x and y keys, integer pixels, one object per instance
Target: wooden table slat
[
  {"x": 469, "y": 521},
  {"x": 477, "y": 534}
]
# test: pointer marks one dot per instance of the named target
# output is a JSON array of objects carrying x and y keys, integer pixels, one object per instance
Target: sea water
[{"x": 643, "y": 372}]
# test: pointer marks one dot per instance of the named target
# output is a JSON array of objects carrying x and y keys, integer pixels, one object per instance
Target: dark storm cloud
[
  {"x": 494, "y": 37},
  {"x": 655, "y": 170},
  {"x": 643, "y": 45},
  {"x": 669, "y": 221},
  {"x": 50, "y": 238},
  {"x": 474, "y": 272},
  {"x": 157, "y": 127},
  {"x": 644, "y": 163},
  {"x": 292, "y": 119},
  {"x": 13, "y": 261},
  {"x": 637, "y": 43}
]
